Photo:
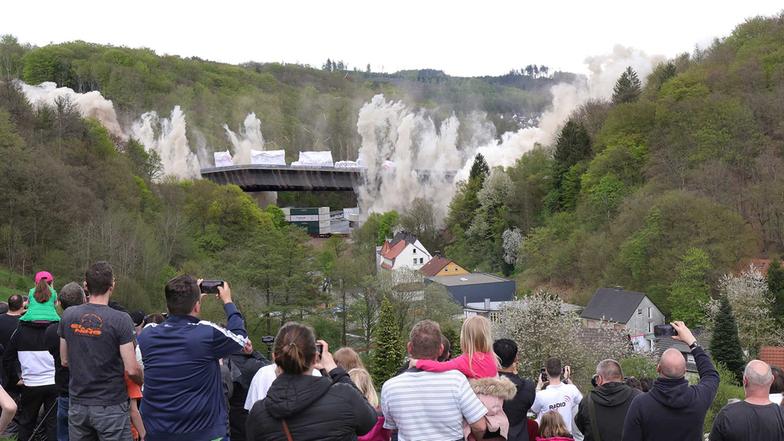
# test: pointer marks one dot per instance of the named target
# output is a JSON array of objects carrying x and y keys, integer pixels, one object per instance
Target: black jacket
[
  {"x": 516, "y": 409},
  {"x": 315, "y": 408},
  {"x": 27, "y": 347},
  {"x": 611, "y": 401},
  {"x": 673, "y": 410},
  {"x": 61, "y": 374},
  {"x": 243, "y": 367}
]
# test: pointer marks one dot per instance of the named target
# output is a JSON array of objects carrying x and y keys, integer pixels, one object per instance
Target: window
[
  {"x": 421, "y": 260},
  {"x": 639, "y": 311},
  {"x": 650, "y": 326},
  {"x": 414, "y": 250},
  {"x": 415, "y": 260},
  {"x": 650, "y": 312}
]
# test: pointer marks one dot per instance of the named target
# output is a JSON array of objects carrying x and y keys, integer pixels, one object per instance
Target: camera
[
  {"x": 664, "y": 331},
  {"x": 543, "y": 374},
  {"x": 320, "y": 348},
  {"x": 210, "y": 286}
]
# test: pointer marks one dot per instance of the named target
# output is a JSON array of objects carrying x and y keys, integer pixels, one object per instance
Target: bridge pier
[{"x": 265, "y": 198}]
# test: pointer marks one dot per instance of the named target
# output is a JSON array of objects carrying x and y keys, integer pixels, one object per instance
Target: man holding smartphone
[{"x": 183, "y": 393}]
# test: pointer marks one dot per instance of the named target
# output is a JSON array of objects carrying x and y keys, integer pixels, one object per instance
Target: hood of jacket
[
  {"x": 291, "y": 394},
  {"x": 672, "y": 393},
  {"x": 500, "y": 387},
  {"x": 612, "y": 394}
]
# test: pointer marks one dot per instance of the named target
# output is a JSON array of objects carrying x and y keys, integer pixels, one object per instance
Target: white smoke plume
[
  {"x": 249, "y": 138},
  {"x": 90, "y": 104},
  {"x": 167, "y": 137},
  {"x": 388, "y": 128},
  {"x": 398, "y": 147},
  {"x": 604, "y": 71}
]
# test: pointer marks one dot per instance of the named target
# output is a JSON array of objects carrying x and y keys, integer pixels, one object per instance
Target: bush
[{"x": 639, "y": 366}]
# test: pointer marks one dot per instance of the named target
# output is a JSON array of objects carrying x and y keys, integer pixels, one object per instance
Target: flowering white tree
[
  {"x": 751, "y": 304},
  {"x": 542, "y": 329},
  {"x": 513, "y": 242}
]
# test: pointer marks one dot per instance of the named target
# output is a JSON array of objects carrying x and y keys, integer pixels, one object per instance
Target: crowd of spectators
[{"x": 98, "y": 372}]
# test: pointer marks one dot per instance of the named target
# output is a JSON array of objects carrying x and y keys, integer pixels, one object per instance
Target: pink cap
[{"x": 43, "y": 275}]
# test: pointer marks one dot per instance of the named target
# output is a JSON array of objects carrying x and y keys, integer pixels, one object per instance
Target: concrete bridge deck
[
  {"x": 254, "y": 178},
  {"x": 257, "y": 178}
]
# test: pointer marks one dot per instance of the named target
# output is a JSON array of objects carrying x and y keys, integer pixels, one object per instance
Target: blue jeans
[{"x": 62, "y": 418}]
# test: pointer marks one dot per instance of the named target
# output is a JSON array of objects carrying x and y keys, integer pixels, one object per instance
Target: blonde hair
[
  {"x": 553, "y": 425},
  {"x": 348, "y": 359},
  {"x": 364, "y": 383},
  {"x": 475, "y": 336}
]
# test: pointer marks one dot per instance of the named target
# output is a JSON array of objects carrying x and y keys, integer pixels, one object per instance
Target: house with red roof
[
  {"x": 402, "y": 251},
  {"x": 441, "y": 266}
]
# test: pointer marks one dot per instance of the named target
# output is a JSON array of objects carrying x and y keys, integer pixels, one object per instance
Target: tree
[
  {"x": 479, "y": 169},
  {"x": 628, "y": 87},
  {"x": 690, "y": 290},
  {"x": 751, "y": 305},
  {"x": 542, "y": 329},
  {"x": 420, "y": 220},
  {"x": 465, "y": 202},
  {"x": 725, "y": 345},
  {"x": 572, "y": 147},
  {"x": 387, "y": 356},
  {"x": 776, "y": 288}
]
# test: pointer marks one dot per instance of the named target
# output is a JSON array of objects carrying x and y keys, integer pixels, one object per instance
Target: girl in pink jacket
[{"x": 477, "y": 360}]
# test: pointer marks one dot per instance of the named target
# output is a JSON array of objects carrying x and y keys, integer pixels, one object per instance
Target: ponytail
[
  {"x": 295, "y": 348},
  {"x": 42, "y": 291}
]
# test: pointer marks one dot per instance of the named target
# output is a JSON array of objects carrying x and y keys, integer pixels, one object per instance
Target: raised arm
[
  {"x": 709, "y": 376},
  {"x": 458, "y": 363},
  {"x": 234, "y": 338}
]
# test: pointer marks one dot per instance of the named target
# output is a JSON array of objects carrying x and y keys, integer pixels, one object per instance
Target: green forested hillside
[
  {"x": 301, "y": 108},
  {"x": 633, "y": 188}
]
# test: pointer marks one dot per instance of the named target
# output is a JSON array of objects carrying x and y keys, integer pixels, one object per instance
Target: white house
[{"x": 403, "y": 251}]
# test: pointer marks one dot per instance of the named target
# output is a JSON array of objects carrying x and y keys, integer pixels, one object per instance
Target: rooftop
[
  {"x": 612, "y": 304},
  {"x": 772, "y": 355},
  {"x": 467, "y": 279},
  {"x": 434, "y": 266}
]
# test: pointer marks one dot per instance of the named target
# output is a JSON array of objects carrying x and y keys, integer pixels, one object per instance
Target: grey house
[{"x": 626, "y": 309}]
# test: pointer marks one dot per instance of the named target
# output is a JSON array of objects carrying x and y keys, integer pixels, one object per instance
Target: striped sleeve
[
  {"x": 389, "y": 422},
  {"x": 472, "y": 408}
]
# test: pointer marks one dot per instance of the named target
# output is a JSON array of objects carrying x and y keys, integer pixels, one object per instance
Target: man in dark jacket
[
  {"x": 673, "y": 410},
  {"x": 601, "y": 414},
  {"x": 183, "y": 393},
  {"x": 517, "y": 408}
]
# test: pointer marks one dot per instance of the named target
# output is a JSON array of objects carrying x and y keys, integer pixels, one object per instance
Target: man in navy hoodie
[
  {"x": 672, "y": 409},
  {"x": 183, "y": 394}
]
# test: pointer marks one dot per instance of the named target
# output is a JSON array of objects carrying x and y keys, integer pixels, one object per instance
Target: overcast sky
[{"x": 462, "y": 38}]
